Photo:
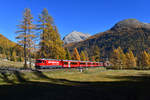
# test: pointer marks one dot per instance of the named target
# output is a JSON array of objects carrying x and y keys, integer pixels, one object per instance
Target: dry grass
[
  {"x": 96, "y": 75},
  {"x": 11, "y": 64},
  {"x": 90, "y": 75}
]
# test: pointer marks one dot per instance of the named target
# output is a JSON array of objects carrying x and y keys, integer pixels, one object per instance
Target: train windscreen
[{"x": 38, "y": 61}]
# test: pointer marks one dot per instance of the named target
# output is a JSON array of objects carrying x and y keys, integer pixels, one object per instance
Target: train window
[
  {"x": 82, "y": 63},
  {"x": 89, "y": 63},
  {"x": 73, "y": 63},
  {"x": 65, "y": 63},
  {"x": 38, "y": 61}
]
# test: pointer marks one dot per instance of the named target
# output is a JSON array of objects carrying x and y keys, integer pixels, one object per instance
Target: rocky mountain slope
[
  {"x": 129, "y": 33},
  {"x": 75, "y": 37}
]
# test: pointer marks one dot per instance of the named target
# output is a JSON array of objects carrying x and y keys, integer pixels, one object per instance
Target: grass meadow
[
  {"x": 7, "y": 63},
  {"x": 91, "y": 84}
]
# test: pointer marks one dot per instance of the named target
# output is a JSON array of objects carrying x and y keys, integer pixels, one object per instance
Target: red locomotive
[{"x": 55, "y": 63}]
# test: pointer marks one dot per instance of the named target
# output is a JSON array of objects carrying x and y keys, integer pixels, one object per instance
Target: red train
[{"x": 55, "y": 63}]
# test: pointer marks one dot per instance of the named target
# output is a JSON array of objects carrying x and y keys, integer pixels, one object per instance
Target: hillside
[
  {"x": 129, "y": 33},
  {"x": 5, "y": 43},
  {"x": 9, "y": 48}
]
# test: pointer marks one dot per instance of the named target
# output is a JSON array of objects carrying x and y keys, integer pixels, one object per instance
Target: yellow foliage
[{"x": 76, "y": 55}]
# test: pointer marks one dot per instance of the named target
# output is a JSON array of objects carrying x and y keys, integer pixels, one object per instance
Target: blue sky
[{"x": 87, "y": 16}]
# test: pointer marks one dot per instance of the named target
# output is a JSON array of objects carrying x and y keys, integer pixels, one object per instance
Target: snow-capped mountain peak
[{"x": 75, "y": 36}]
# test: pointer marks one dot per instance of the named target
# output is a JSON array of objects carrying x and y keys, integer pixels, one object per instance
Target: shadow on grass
[
  {"x": 40, "y": 74},
  {"x": 61, "y": 81},
  {"x": 131, "y": 88},
  {"x": 4, "y": 77},
  {"x": 20, "y": 77}
]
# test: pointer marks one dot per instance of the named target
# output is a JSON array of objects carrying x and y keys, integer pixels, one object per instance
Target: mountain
[
  {"x": 75, "y": 37},
  {"x": 129, "y": 33},
  {"x": 130, "y": 23}
]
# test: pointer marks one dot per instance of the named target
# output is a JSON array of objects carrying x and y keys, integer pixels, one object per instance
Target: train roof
[
  {"x": 65, "y": 60},
  {"x": 49, "y": 59}
]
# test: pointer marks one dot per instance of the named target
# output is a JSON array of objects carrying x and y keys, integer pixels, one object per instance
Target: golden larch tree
[
  {"x": 145, "y": 59},
  {"x": 26, "y": 35},
  {"x": 96, "y": 53},
  {"x": 131, "y": 60},
  {"x": 118, "y": 58},
  {"x": 82, "y": 56},
  {"x": 50, "y": 42},
  {"x": 68, "y": 55},
  {"x": 76, "y": 55},
  {"x": 86, "y": 55}
]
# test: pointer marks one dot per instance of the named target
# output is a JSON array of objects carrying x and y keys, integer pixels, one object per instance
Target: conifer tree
[
  {"x": 118, "y": 58},
  {"x": 149, "y": 57},
  {"x": 82, "y": 56},
  {"x": 139, "y": 59},
  {"x": 50, "y": 44},
  {"x": 115, "y": 58},
  {"x": 96, "y": 53},
  {"x": 75, "y": 55},
  {"x": 92, "y": 58},
  {"x": 122, "y": 58},
  {"x": 13, "y": 56},
  {"x": 20, "y": 59},
  {"x": 131, "y": 60},
  {"x": 25, "y": 33},
  {"x": 68, "y": 55},
  {"x": 144, "y": 59},
  {"x": 86, "y": 55}
]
